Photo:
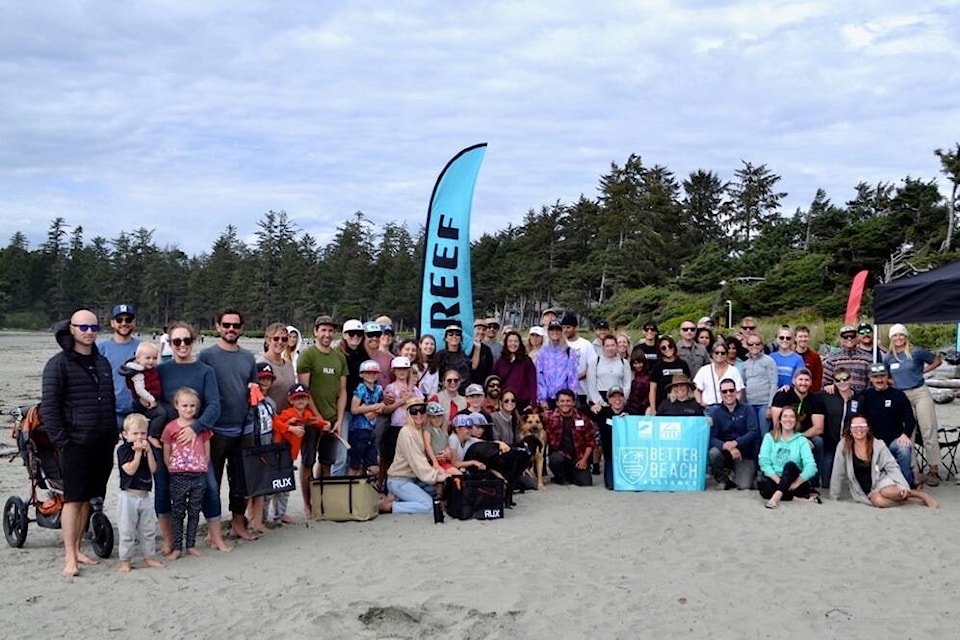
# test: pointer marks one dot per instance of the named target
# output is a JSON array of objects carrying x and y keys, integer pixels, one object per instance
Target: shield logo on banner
[{"x": 633, "y": 464}]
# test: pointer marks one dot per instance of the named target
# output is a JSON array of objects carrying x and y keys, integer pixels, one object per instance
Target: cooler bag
[{"x": 344, "y": 498}]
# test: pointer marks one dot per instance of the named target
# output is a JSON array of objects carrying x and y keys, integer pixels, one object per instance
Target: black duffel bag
[{"x": 476, "y": 494}]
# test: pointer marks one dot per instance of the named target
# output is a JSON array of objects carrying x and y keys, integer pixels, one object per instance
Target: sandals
[
  {"x": 933, "y": 479},
  {"x": 771, "y": 504}
]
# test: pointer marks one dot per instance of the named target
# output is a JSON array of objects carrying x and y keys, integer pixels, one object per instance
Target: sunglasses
[
  {"x": 666, "y": 348},
  {"x": 754, "y": 344},
  {"x": 279, "y": 338},
  {"x": 374, "y": 334},
  {"x": 354, "y": 334},
  {"x": 124, "y": 319},
  {"x": 509, "y": 401},
  {"x": 688, "y": 328},
  {"x": 727, "y": 391},
  {"x": 181, "y": 341},
  {"x": 858, "y": 427},
  {"x": 748, "y": 327},
  {"x": 848, "y": 336},
  {"x": 784, "y": 338},
  {"x": 455, "y": 333},
  {"x": 231, "y": 325},
  {"x": 84, "y": 328},
  {"x": 842, "y": 378},
  {"x": 865, "y": 332},
  {"x": 720, "y": 352},
  {"x": 453, "y": 380},
  {"x": 417, "y": 411},
  {"x": 649, "y": 328}
]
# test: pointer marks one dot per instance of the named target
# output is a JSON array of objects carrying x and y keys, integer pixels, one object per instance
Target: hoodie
[{"x": 77, "y": 402}]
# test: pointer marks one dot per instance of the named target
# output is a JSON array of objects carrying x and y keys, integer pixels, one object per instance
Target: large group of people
[{"x": 783, "y": 419}]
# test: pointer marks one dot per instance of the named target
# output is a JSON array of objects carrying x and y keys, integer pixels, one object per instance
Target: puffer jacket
[{"x": 77, "y": 405}]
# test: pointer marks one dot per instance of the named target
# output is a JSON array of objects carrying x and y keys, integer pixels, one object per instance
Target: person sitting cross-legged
[{"x": 734, "y": 440}]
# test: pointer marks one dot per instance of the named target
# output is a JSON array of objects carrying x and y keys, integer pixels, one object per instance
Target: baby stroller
[{"x": 46, "y": 491}]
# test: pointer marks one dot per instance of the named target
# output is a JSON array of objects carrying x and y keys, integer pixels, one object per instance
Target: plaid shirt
[
  {"x": 854, "y": 361},
  {"x": 584, "y": 437}
]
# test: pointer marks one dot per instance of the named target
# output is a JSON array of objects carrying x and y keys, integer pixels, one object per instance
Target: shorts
[
  {"x": 85, "y": 470},
  {"x": 363, "y": 448}
]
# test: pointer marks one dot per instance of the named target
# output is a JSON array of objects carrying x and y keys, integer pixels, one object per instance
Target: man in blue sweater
[
  {"x": 734, "y": 440},
  {"x": 236, "y": 372}
]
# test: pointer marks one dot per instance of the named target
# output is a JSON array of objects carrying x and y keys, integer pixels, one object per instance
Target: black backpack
[{"x": 476, "y": 494}]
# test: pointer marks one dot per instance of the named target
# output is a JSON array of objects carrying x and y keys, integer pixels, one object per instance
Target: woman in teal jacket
[{"x": 786, "y": 462}]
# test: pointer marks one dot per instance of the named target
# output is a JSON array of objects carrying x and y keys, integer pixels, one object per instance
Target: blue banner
[
  {"x": 447, "y": 294},
  {"x": 660, "y": 453}
]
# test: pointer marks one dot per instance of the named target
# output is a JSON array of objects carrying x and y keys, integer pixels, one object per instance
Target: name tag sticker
[
  {"x": 888, "y": 403},
  {"x": 578, "y": 423},
  {"x": 894, "y": 366}
]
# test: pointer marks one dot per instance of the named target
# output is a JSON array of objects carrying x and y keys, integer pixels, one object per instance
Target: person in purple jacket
[{"x": 557, "y": 367}]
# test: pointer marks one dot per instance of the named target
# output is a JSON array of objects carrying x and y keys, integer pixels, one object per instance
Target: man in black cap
[
  {"x": 117, "y": 349},
  {"x": 865, "y": 342},
  {"x": 890, "y": 414},
  {"x": 587, "y": 356},
  {"x": 601, "y": 329}
]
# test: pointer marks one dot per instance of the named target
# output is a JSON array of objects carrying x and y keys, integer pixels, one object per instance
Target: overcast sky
[{"x": 184, "y": 117}]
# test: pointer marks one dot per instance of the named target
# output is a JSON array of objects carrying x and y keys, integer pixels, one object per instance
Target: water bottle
[{"x": 437, "y": 511}]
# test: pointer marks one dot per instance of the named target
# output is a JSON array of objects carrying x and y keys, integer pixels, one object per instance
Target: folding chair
[{"x": 949, "y": 437}]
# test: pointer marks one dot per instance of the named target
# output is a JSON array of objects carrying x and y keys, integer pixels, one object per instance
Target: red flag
[{"x": 856, "y": 294}]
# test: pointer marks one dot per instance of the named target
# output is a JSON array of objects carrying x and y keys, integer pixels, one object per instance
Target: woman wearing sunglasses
[
  {"x": 709, "y": 376},
  {"x": 277, "y": 338},
  {"x": 664, "y": 369},
  {"x": 871, "y": 471},
  {"x": 411, "y": 478},
  {"x": 185, "y": 371}
]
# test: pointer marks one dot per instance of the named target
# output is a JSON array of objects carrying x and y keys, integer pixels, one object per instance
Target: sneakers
[{"x": 595, "y": 469}]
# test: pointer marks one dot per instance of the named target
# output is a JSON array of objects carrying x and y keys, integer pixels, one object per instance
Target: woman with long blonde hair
[{"x": 907, "y": 364}]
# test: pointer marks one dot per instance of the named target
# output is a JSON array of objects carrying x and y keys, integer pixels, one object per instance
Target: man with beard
[
  {"x": 323, "y": 370},
  {"x": 572, "y": 437},
  {"x": 77, "y": 412},
  {"x": 891, "y": 419},
  {"x": 491, "y": 390},
  {"x": 865, "y": 343},
  {"x": 491, "y": 339},
  {"x": 120, "y": 348},
  {"x": 236, "y": 372},
  {"x": 811, "y": 412}
]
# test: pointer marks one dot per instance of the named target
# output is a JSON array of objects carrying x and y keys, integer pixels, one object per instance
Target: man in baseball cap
[{"x": 117, "y": 349}]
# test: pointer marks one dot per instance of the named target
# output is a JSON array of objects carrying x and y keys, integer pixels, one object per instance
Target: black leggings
[{"x": 767, "y": 487}]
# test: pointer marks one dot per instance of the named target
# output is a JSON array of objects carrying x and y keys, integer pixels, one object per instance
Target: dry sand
[{"x": 567, "y": 562}]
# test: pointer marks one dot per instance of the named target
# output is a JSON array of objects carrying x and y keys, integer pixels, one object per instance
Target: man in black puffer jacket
[{"x": 77, "y": 411}]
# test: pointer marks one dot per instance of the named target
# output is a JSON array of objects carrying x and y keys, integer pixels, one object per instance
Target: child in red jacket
[{"x": 290, "y": 426}]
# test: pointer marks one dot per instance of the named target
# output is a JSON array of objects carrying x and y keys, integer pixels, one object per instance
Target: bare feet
[
  {"x": 152, "y": 563},
  {"x": 287, "y": 519},
  {"x": 83, "y": 558},
  {"x": 243, "y": 534},
  {"x": 385, "y": 504},
  {"x": 173, "y": 555},
  {"x": 307, "y": 513},
  {"x": 70, "y": 570},
  {"x": 165, "y": 550},
  {"x": 219, "y": 545},
  {"x": 125, "y": 566},
  {"x": 193, "y": 551}
]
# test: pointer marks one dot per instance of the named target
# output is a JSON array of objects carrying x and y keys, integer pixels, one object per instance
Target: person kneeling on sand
[
  {"x": 871, "y": 471},
  {"x": 411, "y": 479},
  {"x": 786, "y": 463}
]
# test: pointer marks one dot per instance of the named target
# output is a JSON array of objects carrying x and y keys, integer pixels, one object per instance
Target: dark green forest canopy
[{"x": 649, "y": 237}]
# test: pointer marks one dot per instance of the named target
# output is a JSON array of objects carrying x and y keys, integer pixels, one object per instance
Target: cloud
[{"x": 186, "y": 117}]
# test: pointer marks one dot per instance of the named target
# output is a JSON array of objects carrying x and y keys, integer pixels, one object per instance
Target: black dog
[{"x": 510, "y": 465}]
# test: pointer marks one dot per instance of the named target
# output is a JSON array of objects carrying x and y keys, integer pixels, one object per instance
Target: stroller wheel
[
  {"x": 15, "y": 521},
  {"x": 102, "y": 533}
]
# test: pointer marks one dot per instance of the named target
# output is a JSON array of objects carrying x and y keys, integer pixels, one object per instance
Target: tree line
[{"x": 647, "y": 236}]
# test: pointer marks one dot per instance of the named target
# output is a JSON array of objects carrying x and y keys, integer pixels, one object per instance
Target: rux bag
[
  {"x": 268, "y": 469},
  {"x": 477, "y": 494},
  {"x": 268, "y": 465},
  {"x": 344, "y": 498}
]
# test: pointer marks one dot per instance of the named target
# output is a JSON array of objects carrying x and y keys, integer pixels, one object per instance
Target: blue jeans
[
  {"x": 761, "y": 410},
  {"x": 340, "y": 466},
  {"x": 903, "y": 457},
  {"x": 826, "y": 469},
  {"x": 818, "y": 458},
  {"x": 412, "y": 495}
]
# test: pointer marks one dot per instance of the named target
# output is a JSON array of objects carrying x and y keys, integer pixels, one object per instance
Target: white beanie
[{"x": 898, "y": 328}]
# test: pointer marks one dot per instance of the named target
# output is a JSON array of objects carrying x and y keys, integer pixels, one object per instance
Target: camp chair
[{"x": 949, "y": 438}]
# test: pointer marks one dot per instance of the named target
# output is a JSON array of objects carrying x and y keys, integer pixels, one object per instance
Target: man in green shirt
[{"x": 323, "y": 370}]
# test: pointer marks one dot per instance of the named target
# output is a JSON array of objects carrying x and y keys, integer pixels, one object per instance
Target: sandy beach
[{"x": 566, "y": 562}]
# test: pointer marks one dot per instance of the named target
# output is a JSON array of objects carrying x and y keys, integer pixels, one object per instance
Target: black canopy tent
[{"x": 932, "y": 296}]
